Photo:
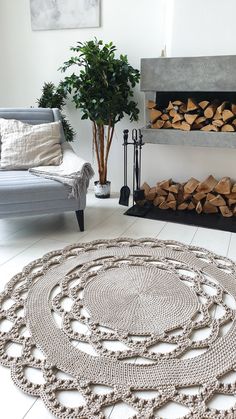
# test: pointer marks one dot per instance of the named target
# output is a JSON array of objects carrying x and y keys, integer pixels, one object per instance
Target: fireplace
[
  {"x": 202, "y": 78},
  {"x": 168, "y": 81}
]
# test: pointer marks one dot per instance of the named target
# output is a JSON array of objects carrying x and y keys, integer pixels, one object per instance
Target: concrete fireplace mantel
[
  {"x": 189, "y": 138},
  {"x": 188, "y": 74}
]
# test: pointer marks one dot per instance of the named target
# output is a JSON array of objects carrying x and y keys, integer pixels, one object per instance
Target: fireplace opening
[
  {"x": 163, "y": 98},
  {"x": 191, "y": 111}
]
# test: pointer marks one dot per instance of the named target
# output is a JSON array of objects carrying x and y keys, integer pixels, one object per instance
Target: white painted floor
[{"x": 26, "y": 239}]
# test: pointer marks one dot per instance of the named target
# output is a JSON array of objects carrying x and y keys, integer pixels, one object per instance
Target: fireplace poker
[{"x": 125, "y": 190}]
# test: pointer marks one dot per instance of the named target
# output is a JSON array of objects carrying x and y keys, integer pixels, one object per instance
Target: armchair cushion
[
  {"x": 24, "y": 145},
  {"x": 22, "y": 187}
]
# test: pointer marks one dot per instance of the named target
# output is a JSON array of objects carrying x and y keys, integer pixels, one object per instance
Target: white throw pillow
[{"x": 24, "y": 145}]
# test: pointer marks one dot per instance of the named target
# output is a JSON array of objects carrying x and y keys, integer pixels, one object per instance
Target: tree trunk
[{"x": 102, "y": 138}]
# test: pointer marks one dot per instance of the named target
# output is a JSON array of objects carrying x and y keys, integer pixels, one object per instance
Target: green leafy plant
[
  {"x": 103, "y": 91},
  {"x": 55, "y": 97}
]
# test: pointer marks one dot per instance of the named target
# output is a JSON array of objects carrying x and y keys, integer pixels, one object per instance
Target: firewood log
[
  {"x": 231, "y": 195},
  {"x": 228, "y": 128},
  {"x": 191, "y": 206},
  {"x": 170, "y": 106},
  {"x": 165, "y": 184},
  {"x": 223, "y": 186},
  {"x": 199, "y": 196},
  {"x": 158, "y": 124},
  {"x": 233, "y": 108},
  {"x": 191, "y": 185},
  {"x": 210, "y": 110},
  {"x": 197, "y": 127},
  {"x": 160, "y": 191},
  {"x": 207, "y": 185},
  {"x": 183, "y": 108},
  {"x": 173, "y": 112},
  {"x": 192, "y": 105},
  {"x": 233, "y": 190},
  {"x": 209, "y": 208},
  {"x": 209, "y": 127},
  {"x": 151, "y": 195},
  {"x": 158, "y": 200},
  {"x": 200, "y": 119},
  {"x": 165, "y": 117},
  {"x": 178, "y": 117},
  {"x": 186, "y": 196},
  {"x": 199, "y": 207},
  {"x": 190, "y": 118},
  {"x": 167, "y": 125},
  {"x": 222, "y": 106},
  {"x": 180, "y": 193},
  {"x": 151, "y": 104},
  {"x": 199, "y": 123},
  {"x": 210, "y": 196},
  {"x": 218, "y": 115},
  {"x": 227, "y": 115},
  {"x": 177, "y": 103},
  {"x": 154, "y": 115},
  {"x": 234, "y": 211},
  {"x": 203, "y": 104},
  {"x": 174, "y": 188},
  {"x": 225, "y": 211},
  {"x": 163, "y": 205},
  {"x": 231, "y": 202},
  {"x": 145, "y": 186},
  {"x": 217, "y": 201},
  {"x": 185, "y": 126},
  {"x": 170, "y": 197},
  {"x": 218, "y": 123},
  {"x": 183, "y": 206},
  {"x": 177, "y": 125},
  {"x": 172, "y": 204},
  {"x": 234, "y": 122}
]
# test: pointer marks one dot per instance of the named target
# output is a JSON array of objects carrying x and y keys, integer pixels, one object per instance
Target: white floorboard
[{"x": 26, "y": 239}]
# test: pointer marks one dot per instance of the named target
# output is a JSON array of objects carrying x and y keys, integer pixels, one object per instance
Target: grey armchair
[{"x": 22, "y": 193}]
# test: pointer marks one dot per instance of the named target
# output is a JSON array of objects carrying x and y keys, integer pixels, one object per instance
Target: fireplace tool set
[{"x": 137, "y": 143}]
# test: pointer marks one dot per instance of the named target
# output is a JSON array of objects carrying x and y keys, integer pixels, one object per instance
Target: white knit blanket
[{"x": 73, "y": 171}]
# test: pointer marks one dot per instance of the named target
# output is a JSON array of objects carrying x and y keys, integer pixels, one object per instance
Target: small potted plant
[
  {"x": 55, "y": 97},
  {"x": 103, "y": 91}
]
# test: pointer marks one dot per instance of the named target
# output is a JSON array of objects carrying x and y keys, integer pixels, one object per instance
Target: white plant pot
[{"x": 102, "y": 191}]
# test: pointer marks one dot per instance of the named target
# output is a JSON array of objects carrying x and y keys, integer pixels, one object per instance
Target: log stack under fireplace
[
  {"x": 210, "y": 196},
  {"x": 192, "y": 115}
]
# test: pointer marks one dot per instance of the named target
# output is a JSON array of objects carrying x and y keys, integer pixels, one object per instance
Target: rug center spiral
[{"x": 139, "y": 300}]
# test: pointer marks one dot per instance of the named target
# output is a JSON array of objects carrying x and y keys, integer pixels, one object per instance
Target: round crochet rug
[{"x": 115, "y": 320}]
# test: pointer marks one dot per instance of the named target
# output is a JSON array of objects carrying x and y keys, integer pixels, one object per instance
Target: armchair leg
[{"x": 80, "y": 219}]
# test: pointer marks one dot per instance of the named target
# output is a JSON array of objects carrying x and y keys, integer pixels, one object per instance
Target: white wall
[
  {"x": 195, "y": 28},
  {"x": 29, "y": 58},
  {"x": 203, "y": 27},
  {"x": 139, "y": 28}
]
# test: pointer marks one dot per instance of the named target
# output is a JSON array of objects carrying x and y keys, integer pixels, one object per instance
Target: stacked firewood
[
  {"x": 209, "y": 197},
  {"x": 204, "y": 116}
]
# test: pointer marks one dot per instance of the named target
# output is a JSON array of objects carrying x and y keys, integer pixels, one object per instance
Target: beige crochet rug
[{"x": 167, "y": 307}]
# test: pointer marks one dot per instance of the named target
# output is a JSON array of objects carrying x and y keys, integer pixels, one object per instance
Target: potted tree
[{"x": 103, "y": 91}]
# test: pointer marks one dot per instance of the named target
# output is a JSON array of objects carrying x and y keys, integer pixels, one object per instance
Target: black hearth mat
[{"x": 214, "y": 221}]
